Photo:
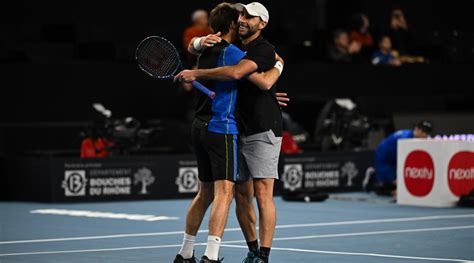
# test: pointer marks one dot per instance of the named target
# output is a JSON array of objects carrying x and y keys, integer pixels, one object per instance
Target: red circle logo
[
  {"x": 461, "y": 173},
  {"x": 419, "y": 173}
]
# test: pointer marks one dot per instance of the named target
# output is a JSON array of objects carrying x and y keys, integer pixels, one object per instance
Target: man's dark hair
[
  {"x": 381, "y": 37},
  {"x": 222, "y": 17},
  {"x": 425, "y": 126}
]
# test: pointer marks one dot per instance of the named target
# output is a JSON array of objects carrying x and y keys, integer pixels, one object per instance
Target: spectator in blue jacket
[{"x": 385, "y": 55}]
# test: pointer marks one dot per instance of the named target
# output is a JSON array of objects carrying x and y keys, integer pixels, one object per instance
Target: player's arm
[
  {"x": 266, "y": 80},
  {"x": 198, "y": 44},
  {"x": 245, "y": 67},
  {"x": 242, "y": 69},
  {"x": 192, "y": 49}
]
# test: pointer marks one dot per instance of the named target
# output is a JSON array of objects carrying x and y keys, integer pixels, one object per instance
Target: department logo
[
  {"x": 350, "y": 171},
  {"x": 74, "y": 183},
  {"x": 292, "y": 176},
  {"x": 188, "y": 181},
  {"x": 145, "y": 177},
  {"x": 419, "y": 173}
]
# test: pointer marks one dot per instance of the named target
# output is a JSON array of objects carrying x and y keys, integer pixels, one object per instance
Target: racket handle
[{"x": 200, "y": 87}]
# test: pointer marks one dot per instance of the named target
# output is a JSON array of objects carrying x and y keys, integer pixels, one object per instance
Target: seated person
[
  {"x": 385, "y": 55},
  {"x": 342, "y": 50},
  {"x": 402, "y": 38},
  {"x": 360, "y": 33},
  {"x": 386, "y": 157}
]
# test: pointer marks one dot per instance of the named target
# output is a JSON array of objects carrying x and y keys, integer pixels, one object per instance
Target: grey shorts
[{"x": 258, "y": 156}]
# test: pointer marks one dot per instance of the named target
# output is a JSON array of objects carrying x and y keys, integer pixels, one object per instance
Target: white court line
[
  {"x": 378, "y": 221},
  {"x": 371, "y": 221},
  {"x": 87, "y": 250},
  {"x": 353, "y": 253},
  {"x": 97, "y": 214},
  {"x": 367, "y": 233},
  {"x": 240, "y": 241}
]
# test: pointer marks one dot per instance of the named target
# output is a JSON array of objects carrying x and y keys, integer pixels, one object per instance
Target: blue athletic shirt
[
  {"x": 219, "y": 114},
  {"x": 380, "y": 58},
  {"x": 387, "y": 149}
]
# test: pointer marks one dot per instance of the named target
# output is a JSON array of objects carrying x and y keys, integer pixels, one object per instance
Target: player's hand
[
  {"x": 211, "y": 39},
  {"x": 185, "y": 75},
  {"x": 282, "y": 98}
]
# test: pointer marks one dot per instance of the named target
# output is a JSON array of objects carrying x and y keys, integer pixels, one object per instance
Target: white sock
[
  {"x": 187, "y": 246},
  {"x": 212, "y": 248}
]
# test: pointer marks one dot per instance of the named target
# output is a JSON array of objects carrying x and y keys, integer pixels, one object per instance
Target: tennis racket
[{"x": 158, "y": 58}]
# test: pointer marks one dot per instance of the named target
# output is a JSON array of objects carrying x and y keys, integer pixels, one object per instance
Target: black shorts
[{"x": 216, "y": 155}]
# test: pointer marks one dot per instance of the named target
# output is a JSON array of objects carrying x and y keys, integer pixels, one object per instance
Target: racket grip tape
[{"x": 200, "y": 87}]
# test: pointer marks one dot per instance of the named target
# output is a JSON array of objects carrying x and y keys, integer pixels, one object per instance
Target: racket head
[{"x": 157, "y": 57}]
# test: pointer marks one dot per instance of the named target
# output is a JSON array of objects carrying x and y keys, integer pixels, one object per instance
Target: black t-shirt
[
  {"x": 208, "y": 59},
  {"x": 220, "y": 111},
  {"x": 258, "y": 110}
]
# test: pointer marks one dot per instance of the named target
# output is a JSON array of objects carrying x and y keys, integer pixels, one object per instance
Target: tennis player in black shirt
[{"x": 260, "y": 125}]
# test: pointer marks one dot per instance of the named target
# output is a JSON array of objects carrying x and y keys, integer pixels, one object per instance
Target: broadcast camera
[
  {"x": 340, "y": 126},
  {"x": 109, "y": 136}
]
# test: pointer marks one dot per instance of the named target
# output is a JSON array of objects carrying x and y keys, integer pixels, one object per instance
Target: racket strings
[{"x": 158, "y": 57}]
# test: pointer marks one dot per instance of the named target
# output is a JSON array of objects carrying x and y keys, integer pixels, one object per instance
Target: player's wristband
[
  {"x": 197, "y": 43},
  {"x": 279, "y": 66}
]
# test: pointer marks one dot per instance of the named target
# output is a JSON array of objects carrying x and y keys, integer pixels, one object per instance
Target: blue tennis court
[{"x": 355, "y": 227}]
